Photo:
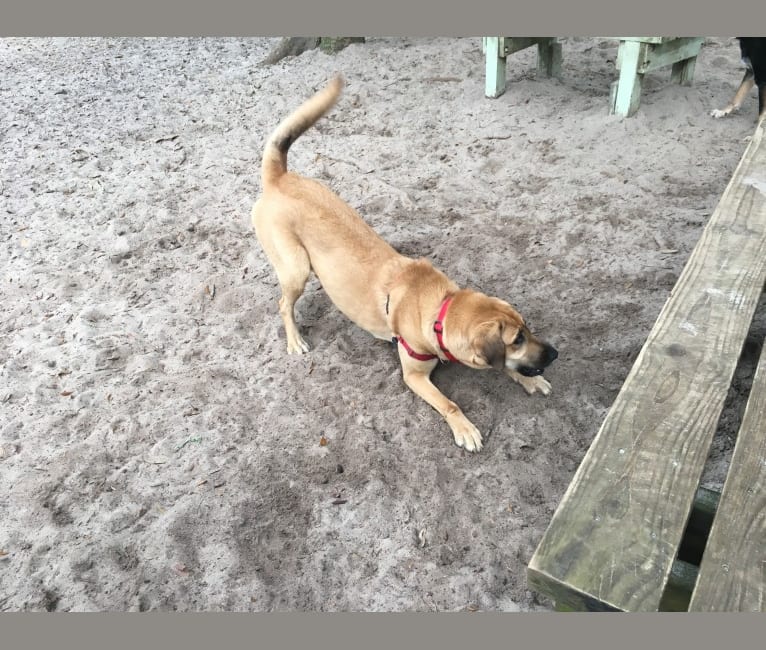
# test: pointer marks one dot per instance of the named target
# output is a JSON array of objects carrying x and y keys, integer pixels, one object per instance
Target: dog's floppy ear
[{"x": 490, "y": 345}]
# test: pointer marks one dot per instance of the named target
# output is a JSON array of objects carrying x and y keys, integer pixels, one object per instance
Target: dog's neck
[
  {"x": 418, "y": 298},
  {"x": 439, "y": 328}
]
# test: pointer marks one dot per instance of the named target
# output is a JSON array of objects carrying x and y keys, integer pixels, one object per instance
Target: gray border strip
[
  {"x": 390, "y": 18},
  {"x": 370, "y": 631}
]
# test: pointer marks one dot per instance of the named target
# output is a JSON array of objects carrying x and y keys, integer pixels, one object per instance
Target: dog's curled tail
[{"x": 293, "y": 126}]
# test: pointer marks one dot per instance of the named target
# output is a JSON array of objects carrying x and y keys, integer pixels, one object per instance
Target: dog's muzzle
[
  {"x": 530, "y": 372},
  {"x": 549, "y": 355}
]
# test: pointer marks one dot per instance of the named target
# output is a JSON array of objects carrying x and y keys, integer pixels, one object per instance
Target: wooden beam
[
  {"x": 518, "y": 43},
  {"x": 615, "y": 534},
  {"x": 683, "y": 71},
  {"x": 628, "y": 93},
  {"x": 733, "y": 571},
  {"x": 646, "y": 39},
  {"x": 494, "y": 55},
  {"x": 665, "y": 54},
  {"x": 549, "y": 58}
]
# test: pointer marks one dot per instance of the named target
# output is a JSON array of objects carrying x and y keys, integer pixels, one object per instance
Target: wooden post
[
  {"x": 549, "y": 58},
  {"x": 683, "y": 71},
  {"x": 629, "y": 84},
  {"x": 495, "y": 66},
  {"x": 639, "y": 55}
]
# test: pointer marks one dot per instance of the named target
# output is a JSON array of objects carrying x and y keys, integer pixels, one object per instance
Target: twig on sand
[
  {"x": 442, "y": 79},
  {"x": 187, "y": 441},
  {"x": 346, "y": 162},
  {"x": 396, "y": 81}
]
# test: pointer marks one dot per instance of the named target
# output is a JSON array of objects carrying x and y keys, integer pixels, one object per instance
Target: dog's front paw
[
  {"x": 296, "y": 345},
  {"x": 537, "y": 384},
  {"x": 532, "y": 385},
  {"x": 718, "y": 112},
  {"x": 466, "y": 435}
]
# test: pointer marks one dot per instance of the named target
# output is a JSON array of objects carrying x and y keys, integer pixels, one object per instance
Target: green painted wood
[
  {"x": 637, "y": 56},
  {"x": 683, "y": 72},
  {"x": 495, "y": 66},
  {"x": 616, "y": 532},
  {"x": 646, "y": 39},
  {"x": 517, "y": 43},
  {"x": 498, "y": 48},
  {"x": 549, "y": 58},
  {"x": 629, "y": 84},
  {"x": 733, "y": 569},
  {"x": 668, "y": 53}
]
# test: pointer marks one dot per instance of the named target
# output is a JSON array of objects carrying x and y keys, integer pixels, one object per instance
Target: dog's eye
[{"x": 519, "y": 339}]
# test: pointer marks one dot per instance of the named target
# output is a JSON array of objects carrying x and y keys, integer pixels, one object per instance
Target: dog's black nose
[{"x": 551, "y": 354}]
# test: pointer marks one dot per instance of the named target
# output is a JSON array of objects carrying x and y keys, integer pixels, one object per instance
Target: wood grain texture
[
  {"x": 733, "y": 570},
  {"x": 615, "y": 534}
]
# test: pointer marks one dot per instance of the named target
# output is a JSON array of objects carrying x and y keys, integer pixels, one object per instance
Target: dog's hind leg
[
  {"x": 292, "y": 280},
  {"x": 293, "y": 267}
]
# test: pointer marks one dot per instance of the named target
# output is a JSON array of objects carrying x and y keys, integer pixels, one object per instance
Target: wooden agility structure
[
  {"x": 616, "y": 541},
  {"x": 636, "y": 56}
]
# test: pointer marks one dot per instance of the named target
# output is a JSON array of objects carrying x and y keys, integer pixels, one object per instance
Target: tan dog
[{"x": 303, "y": 226}]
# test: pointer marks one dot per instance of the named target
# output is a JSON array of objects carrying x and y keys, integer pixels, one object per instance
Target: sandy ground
[{"x": 158, "y": 448}]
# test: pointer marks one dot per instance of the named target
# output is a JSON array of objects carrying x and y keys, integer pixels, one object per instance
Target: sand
[{"x": 159, "y": 450}]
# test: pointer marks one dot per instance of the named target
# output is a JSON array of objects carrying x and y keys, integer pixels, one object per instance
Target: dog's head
[{"x": 486, "y": 332}]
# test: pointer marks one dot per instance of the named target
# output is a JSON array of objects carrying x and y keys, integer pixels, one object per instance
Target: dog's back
[
  {"x": 753, "y": 51},
  {"x": 303, "y": 226}
]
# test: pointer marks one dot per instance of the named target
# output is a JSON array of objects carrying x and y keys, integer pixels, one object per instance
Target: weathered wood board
[
  {"x": 732, "y": 575},
  {"x": 613, "y": 539}
]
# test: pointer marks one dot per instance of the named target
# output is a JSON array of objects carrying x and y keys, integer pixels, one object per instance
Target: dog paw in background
[
  {"x": 753, "y": 51},
  {"x": 722, "y": 112}
]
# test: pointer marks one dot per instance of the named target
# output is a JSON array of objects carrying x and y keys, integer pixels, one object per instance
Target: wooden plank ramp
[
  {"x": 613, "y": 539},
  {"x": 732, "y": 575}
]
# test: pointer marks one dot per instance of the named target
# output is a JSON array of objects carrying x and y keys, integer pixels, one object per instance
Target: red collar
[
  {"x": 439, "y": 329},
  {"x": 412, "y": 353}
]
